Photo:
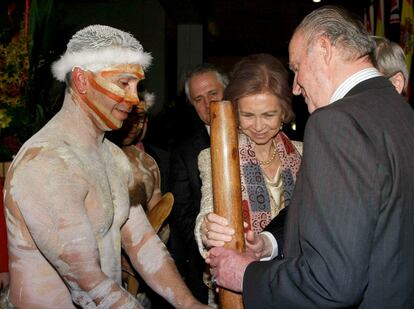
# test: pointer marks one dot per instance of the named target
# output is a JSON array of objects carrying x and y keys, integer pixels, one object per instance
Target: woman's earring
[{"x": 281, "y": 127}]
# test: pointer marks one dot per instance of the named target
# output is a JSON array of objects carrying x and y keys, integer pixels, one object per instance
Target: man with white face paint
[
  {"x": 66, "y": 194},
  {"x": 349, "y": 232}
]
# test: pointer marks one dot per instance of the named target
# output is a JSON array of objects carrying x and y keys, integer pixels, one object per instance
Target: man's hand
[
  {"x": 228, "y": 267},
  {"x": 259, "y": 245}
]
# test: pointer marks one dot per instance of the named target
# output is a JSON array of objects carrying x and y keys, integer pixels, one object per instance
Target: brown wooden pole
[{"x": 226, "y": 182}]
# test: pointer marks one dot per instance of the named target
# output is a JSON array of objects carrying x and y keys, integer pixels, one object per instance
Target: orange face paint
[
  {"x": 105, "y": 82},
  {"x": 134, "y": 69},
  {"x": 108, "y": 119}
]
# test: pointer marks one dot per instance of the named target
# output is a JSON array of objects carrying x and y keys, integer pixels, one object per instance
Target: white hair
[
  {"x": 149, "y": 99},
  {"x": 96, "y": 47}
]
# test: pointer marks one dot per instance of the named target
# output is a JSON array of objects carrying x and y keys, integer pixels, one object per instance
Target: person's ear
[
  {"x": 283, "y": 117},
  {"x": 79, "y": 80},
  {"x": 326, "y": 49},
  {"x": 398, "y": 81}
]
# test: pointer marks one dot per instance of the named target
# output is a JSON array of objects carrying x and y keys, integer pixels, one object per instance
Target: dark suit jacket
[
  {"x": 185, "y": 184},
  {"x": 162, "y": 157},
  {"x": 350, "y": 226},
  {"x": 276, "y": 227}
]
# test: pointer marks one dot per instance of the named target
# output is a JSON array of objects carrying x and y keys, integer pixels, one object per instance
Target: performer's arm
[
  {"x": 153, "y": 262},
  {"x": 51, "y": 194}
]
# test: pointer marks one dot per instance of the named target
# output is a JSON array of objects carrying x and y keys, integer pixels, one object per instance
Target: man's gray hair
[
  {"x": 389, "y": 58},
  {"x": 343, "y": 30},
  {"x": 201, "y": 69}
]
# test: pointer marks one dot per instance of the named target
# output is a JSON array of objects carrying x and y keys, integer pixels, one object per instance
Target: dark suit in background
[
  {"x": 350, "y": 227},
  {"x": 162, "y": 157},
  {"x": 185, "y": 184}
]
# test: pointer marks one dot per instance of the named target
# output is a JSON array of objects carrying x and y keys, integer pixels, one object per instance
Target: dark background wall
[{"x": 179, "y": 34}]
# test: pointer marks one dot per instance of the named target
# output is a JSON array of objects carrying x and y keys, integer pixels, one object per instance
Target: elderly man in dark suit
[
  {"x": 204, "y": 83},
  {"x": 349, "y": 233}
]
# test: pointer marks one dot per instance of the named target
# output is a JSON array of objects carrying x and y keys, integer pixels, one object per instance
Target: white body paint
[
  {"x": 66, "y": 201},
  {"x": 68, "y": 213}
]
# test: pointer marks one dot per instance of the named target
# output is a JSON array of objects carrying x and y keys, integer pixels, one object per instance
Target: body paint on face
[
  {"x": 103, "y": 77},
  {"x": 113, "y": 91},
  {"x": 103, "y": 114},
  {"x": 135, "y": 69},
  {"x": 103, "y": 83}
]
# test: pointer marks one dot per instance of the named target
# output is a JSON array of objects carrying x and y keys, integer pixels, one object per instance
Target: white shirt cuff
[{"x": 275, "y": 248}]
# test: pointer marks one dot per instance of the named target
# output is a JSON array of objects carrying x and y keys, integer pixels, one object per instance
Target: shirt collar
[{"x": 352, "y": 81}]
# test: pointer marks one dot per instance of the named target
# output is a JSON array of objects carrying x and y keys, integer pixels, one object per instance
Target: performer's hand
[
  {"x": 259, "y": 245},
  {"x": 228, "y": 266},
  {"x": 215, "y": 231},
  {"x": 4, "y": 280}
]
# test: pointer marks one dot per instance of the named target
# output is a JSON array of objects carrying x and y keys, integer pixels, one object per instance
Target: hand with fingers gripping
[
  {"x": 215, "y": 232},
  {"x": 227, "y": 267}
]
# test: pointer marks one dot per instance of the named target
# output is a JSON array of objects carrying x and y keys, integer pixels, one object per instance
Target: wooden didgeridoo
[{"x": 225, "y": 168}]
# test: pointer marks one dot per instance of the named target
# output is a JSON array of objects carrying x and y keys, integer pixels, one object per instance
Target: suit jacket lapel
[{"x": 201, "y": 139}]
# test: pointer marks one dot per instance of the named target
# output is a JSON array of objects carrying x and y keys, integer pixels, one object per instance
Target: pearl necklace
[{"x": 267, "y": 162}]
